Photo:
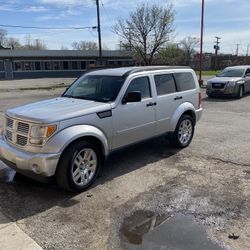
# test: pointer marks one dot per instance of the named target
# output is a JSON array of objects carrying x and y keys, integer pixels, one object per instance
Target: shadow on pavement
[{"x": 21, "y": 197}]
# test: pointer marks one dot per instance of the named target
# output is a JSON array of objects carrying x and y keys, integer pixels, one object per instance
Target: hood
[
  {"x": 56, "y": 109},
  {"x": 225, "y": 79}
]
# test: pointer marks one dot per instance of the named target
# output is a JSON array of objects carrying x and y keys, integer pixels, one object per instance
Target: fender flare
[
  {"x": 63, "y": 138},
  {"x": 184, "y": 107}
]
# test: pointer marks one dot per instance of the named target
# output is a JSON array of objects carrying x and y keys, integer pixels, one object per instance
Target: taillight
[{"x": 199, "y": 104}]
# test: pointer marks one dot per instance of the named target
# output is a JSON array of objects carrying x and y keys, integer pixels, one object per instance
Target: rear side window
[
  {"x": 184, "y": 81},
  {"x": 164, "y": 84},
  {"x": 141, "y": 84}
]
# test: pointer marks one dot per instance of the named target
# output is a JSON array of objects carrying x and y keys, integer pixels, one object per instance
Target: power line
[{"x": 47, "y": 28}]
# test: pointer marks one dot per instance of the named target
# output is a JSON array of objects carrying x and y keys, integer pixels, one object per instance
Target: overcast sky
[{"x": 228, "y": 19}]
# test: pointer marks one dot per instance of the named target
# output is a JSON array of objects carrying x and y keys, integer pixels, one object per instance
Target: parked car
[
  {"x": 68, "y": 137},
  {"x": 233, "y": 81}
]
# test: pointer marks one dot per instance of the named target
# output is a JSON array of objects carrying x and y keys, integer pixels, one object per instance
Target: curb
[{"x": 12, "y": 237}]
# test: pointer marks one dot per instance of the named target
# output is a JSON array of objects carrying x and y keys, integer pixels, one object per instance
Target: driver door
[
  {"x": 134, "y": 122},
  {"x": 247, "y": 80}
]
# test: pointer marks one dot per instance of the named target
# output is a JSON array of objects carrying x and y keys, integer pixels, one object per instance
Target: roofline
[{"x": 153, "y": 68}]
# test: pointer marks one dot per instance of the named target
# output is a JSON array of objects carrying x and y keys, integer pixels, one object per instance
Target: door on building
[{"x": 8, "y": 69}]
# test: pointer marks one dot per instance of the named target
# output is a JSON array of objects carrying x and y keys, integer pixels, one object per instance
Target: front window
[
  {"x": 100, "y": 88},
  {"x": 229, "y": 72}
]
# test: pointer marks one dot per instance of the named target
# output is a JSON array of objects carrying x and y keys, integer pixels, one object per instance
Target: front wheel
[
  {"x": 184, "y": 132},
  {"x": 78, "y": 166},
  {"x": 240, "y": 92}
]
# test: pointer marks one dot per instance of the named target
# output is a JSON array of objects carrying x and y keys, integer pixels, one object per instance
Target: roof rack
[{"x": 152, "y": 68}]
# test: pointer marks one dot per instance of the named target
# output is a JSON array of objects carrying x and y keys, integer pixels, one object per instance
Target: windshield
[
  {"x": 231, "y": 73},
  {"x": 98, "y": 88}
]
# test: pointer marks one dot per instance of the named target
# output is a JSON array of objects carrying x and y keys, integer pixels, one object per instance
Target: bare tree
[
  {"x": 3, "y": 34},
  {"x": 189, "y": 44},
  {"x": 13, "y": 43},
  {"x": 36, "y": 44},
  {"x": 146, "y": 30},
  {"x": 84, "y": 45}
]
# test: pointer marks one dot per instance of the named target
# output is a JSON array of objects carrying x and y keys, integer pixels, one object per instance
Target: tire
[
  {"x": 240, "y": 92},
  {"x": 184, "y": 132},
  {"x": 78, "y": 167}
]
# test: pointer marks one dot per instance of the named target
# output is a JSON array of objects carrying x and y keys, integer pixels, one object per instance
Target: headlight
[
  {"x": 231, "y": 84},
  {"x": 208, "y": 84},
  {"x": 39, "y": 134},
  {"x": 240, "y": 82}
]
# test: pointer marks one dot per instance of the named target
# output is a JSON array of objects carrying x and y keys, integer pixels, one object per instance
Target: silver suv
[
  {"x": 102, "y": 111},
  {"x": 234, "y": 81}
]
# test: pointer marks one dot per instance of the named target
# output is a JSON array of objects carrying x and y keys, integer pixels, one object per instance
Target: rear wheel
[
  {"x": 78, "y": 166},
  {"x": 184, "y": 132}
]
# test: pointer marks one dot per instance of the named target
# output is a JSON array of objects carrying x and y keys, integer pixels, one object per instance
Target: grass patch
[{"x": 209, "y": 72}]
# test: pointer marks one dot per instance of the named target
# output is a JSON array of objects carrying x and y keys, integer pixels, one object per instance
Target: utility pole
[
  {"x": 99, "y": 31},
  {"x": 201, "y": 43},
  {"x": 216, "y": 48},
  {"x": 237, "y": 49},
  {"x": 248, "y": 46}
]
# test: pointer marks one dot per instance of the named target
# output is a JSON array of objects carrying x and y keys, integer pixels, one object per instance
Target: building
[{"x": 20, "y": 64}]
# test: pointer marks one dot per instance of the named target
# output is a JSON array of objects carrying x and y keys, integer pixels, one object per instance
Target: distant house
[{"x": 16, "y": 64}]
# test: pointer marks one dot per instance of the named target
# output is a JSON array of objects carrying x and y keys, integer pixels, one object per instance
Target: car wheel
[
  {"x": 78, "y": 166},
  {"x": 184, "y": 132},
  {"x": 240, "y": 92}
]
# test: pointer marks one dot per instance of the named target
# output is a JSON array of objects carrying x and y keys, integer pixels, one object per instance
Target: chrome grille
[
  {"x": 9, "y": 135},
  {"x": 21, "y": 140},
  {"x": 17, "y": 132},
  {"x": 9, "y": 123},
  {"x": 23, "y": 127}
]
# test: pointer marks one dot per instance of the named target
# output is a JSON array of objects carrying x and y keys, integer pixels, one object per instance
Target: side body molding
[
  {"x": 64, "y": 137},
  {"x": 186, "y": 106}
]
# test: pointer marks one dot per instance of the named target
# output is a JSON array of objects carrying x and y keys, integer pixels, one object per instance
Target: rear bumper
[{"x": 37, "y": 166}]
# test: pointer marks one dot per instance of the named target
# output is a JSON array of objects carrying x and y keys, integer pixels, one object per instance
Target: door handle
[
  {"x": 151, "y": 104},
  {"x": 178, "y": 98}
]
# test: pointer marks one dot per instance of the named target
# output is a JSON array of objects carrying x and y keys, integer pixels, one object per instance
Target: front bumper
[
  {"x": 228, "y": 90},
  {"x": 38, "y": 166}
]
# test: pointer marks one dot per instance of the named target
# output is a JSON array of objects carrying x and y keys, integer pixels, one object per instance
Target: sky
[{"x": 228, "y": 19}]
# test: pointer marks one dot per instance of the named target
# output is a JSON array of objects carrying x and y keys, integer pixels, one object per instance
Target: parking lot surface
[{"x": 209, "y": 180}]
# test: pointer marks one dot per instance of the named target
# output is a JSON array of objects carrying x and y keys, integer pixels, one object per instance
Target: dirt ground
[{"x": 209, "y": 180}]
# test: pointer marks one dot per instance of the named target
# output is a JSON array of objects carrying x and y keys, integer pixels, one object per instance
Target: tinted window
[
  {"x": 141, "y": 84},
  {"x": 184, "y": 81},
  {"x": 164, "y": 84}
]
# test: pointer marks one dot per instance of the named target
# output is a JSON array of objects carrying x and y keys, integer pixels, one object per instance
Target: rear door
[{"x": 167, "y": 101}]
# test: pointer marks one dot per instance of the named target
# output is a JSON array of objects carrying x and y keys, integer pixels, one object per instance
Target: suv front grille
[
  {"x": 17, "y": 132},
  {"x": 216, "y": 85}
]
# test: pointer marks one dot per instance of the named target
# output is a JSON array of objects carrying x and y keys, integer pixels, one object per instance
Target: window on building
[
  {"x": 18, "y": 66},
  {"x": 184, "y": 81},
  {"x": 37, "y": 65},
  {"x": 141, "y": 84},
  {"x": 28, "y": 65},
  {"x": 83, "y": 65},
  {"x": 65, "y": 65},
  {"x": 1, "y": 66},
  {"x": 47, "y": 65},
  {"x": 74, "y": 64},
  {"x": 56, "y": 65},
  {"x": 164, "y": 84}
]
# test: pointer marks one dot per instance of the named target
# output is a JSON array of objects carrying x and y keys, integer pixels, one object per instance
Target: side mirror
[
  {"x": 247, "y": 74},
  {"x": 134, "y": 96}
]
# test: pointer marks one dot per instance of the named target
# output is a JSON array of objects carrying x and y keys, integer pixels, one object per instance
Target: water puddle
[{"x": 146, "y": 230}]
